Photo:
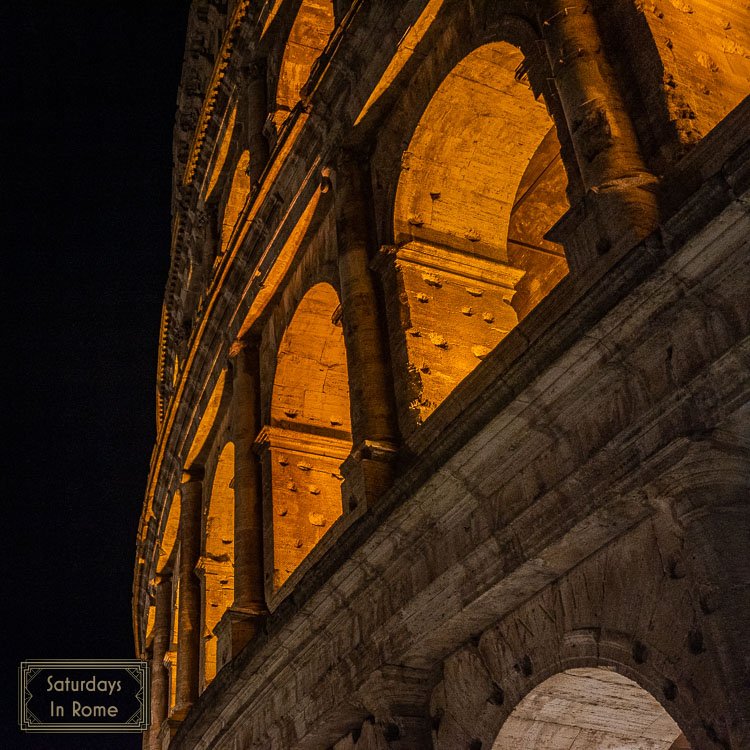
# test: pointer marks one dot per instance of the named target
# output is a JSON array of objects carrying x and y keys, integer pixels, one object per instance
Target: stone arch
[
  {"x": 483, "y": 173},
  {"x": 589, "y": 708},
  {"x": 307, "y": 38},
  {"x": 236, "y": 194},
  {"x": 213, "y": 409},
  {"x": 393, "y": 123},
  {"x": 482, "y": 181},
  {"x": 634, "y": 608},
  {"x": 581, "y": 700},
  {"x": 167, "y": 547},
  {"x": 222, "y": 152},
  {"x": 224, "y": 191},
  {"x": 309, "y": 431},
  {"x": 217, "y": 559},
  {"x": 273, "y": 270}
]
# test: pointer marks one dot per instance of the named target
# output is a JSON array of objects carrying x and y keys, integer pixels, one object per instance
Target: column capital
[
  {"x": 191, "y": 475},
  {"x": 160, "y": 579},
  {"x": 237, "y": 626},
  {"x": 352, "y": 162},
  {"x": 375, "y": 450},
  {"x": 245, "y": 344},
  {"x": 255, "y": 70}
]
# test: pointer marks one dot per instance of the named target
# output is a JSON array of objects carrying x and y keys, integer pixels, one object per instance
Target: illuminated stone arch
[
  {"x": 589, "y": 708},
  {"x": 309, "y": 431},
  {"x": 236, "y": 194},
  {"x": 223, "y": 151},
  {"x": 308, "y": 37},
  {"x": 482, "y": 174},
  {"x": 213, "y": 409},
  {"x": 167, "y": 547},
  {"x": 482, "y": 179},
  {"x": 222, "y": 194},
  {"x": 217, "y": 559},
  {"x": 225, "y": 187}
]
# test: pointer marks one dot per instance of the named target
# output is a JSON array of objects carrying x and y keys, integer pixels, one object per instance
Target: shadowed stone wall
[{"x": 453, "y": 380}]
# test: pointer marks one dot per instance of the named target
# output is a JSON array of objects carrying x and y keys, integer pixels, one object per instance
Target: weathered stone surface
[{"x": 465, "y": 383}]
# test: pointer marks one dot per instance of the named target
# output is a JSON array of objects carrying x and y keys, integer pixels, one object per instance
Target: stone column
[
  {"x": 159, "y": 678},
  {"x": 189, "y": 611},
  {"x": 245, "y": 616},
  {"x": 374, "y": 422},
  {"x": 147, "y": 738},
  {"x": 398, "y": 697},
  {"x": 620, "y": 206},
  {"x": 256, "y": 112}
]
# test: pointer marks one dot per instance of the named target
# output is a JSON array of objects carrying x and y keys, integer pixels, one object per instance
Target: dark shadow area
[{"x": 90, "y": 96}]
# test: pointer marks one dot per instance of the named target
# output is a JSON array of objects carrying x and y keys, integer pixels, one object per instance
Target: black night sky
[{"x": 89, "y": 103}]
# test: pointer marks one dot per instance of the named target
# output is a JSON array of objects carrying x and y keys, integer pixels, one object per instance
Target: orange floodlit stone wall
[
  {"x": 452, "y": 386},
  {"x": 217, "y": 560},
  {"x": 308, "y": 37},
  {"x": 481, "y": 184},
  {"x": 309, "y": 434}
]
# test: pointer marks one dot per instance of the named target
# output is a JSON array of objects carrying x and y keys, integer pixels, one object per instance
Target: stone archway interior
[
  {"x": 481, "y": 184},
  {"x": 309, "y": 435},
  {"x": 589, "y": 709},
  {"x": 237, "y": 194},
  {"x": 217, "y": 563},
  {"x": 309, "y": 35},
  {"x": 463, "y": 166}
]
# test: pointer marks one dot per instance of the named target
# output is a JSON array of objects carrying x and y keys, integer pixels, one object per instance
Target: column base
[
  {"x": 234, "y": 631},
  {"x": 610, "y": 219},
  {"x": 170, "y": 726},
  {"x": 367, "y": 472}
]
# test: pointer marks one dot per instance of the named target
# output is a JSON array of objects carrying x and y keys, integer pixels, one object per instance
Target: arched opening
[
  {"x": 307, "y": 39},
  {"x": 309, "y": 434},
  {"x": 481, "y": 184},
  {"x": 589, "y": 709},
  {"x": 217, "y": 560},
  {"x": 236, "y": 195},
  {"x": 167, "y": 547},
  {"x": 211, "y": 419},
  {"x": 216, "y": 167}
]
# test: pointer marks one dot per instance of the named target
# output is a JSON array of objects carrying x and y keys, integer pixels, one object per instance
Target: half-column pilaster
[
  {"x": 159, "y": 648},
  {"x": 375, "y": 432},
  {"x": 189, "y": 610},
  {"x": 620, "y": 207},
  {"x": 242, "y": 620}
]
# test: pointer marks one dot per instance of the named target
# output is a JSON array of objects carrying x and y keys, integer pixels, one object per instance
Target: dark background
[{"x": 89, "y": 91}]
